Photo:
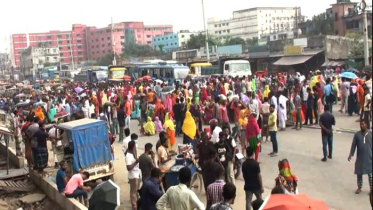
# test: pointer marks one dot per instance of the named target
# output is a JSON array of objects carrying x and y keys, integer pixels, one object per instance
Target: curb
[{"x": 342, "y": 130}]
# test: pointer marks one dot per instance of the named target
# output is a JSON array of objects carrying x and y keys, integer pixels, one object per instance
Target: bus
[
  {"x": 68, "y": 75},
  {"x": 164, "y": 72},
  {"x": 116, "y": 73},
  {"x": 50, "y": 74}
]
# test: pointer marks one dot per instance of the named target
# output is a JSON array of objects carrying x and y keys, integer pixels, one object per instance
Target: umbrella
[
  {"x": 20, "y": 95},
  {"x": 158, "y": 81},
  {"x": 78, "y": 89},
  {"x": 146, "y": 77},
  {"x": 368, "y": 68},
  {"x": 39, "y": 104},
  {"x": 352, "y": 70},
  {"x": 22, "y": 103},
  {"x": 291, "y": 201},
  {"x": 168, "y": 89},
  {"x": 105, "y": 196},
  {"x": 348, "y": 75}
]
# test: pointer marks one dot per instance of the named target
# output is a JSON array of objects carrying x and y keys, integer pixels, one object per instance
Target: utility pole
[
  {"x": 207, "y": 41},
  {"x": 58, "y": 45},
  {"x": 113, "y": 41},
  {"x": 365, "y": 33},
  {"x": 71, "y": 51}
]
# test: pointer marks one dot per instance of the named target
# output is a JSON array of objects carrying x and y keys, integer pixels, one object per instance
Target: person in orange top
[
  {"x": 95, "y": 102},
  {"x": 39, "y": 113},
  {"x": 150, "y": 96},
  {"x": 360, "y": 94},
  {"x": 159, "y": 110}
]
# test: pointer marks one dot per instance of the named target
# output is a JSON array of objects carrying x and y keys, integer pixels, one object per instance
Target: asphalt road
[{"x": 333, "y": 182}]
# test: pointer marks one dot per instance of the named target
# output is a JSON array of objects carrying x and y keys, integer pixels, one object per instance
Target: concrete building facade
[
  {"x": 33, "y": 59},
  {"x": 172, "y": 41},
  {"x": 254, "y": 22},
  {"x": 84, "y": 43},
  {"x": 107, "y": 40}
]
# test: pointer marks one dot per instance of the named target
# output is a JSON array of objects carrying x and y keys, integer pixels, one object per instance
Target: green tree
[
  {"x": 357, "y": 46},
  {"x": 198, "y": 41},
  {"x": 107, "y": 60},
  {"x": 234, "y": 41},
  {"x": 161, "y": 47},
  {"x": 135, "y": 50},
  {"x": 321, "y": 24},
  {"x": 252, "y": 42}
]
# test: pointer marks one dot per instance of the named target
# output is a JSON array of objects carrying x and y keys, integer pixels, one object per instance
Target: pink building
[
  {"x": 101, "y": 41},
  {"x": 84, "y": 43},
  {"x": 71, "y": 43}
]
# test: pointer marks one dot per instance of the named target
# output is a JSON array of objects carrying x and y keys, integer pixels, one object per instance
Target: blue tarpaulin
[{"x": 91, "y": 143}]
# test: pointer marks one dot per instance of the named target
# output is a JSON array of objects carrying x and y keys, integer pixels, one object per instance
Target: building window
[
  {"x": 102, "y": 39},
  {"x": 149, "y": 42},
  {"x": 148, "y": 36},
  {"x": 68, "y": 48},
  {"x": 68, "y": 41},
  {"x": 79, "y": 53},
  {"x": 121, "y": 37},
  {"x": 79, "y": 46},
  {"x": 172, "y": 44},
  {"x": 108, "y": 44},
  {"x": 59, "y": 42},
  {"x": 336, "y": 32},
  {"x": 61, "y": 54},
  {"x": 216, "y": 25},
  {"x": 175, "y": 43},
  {"x": 336, "y": 16},
  {"x": 166, "y": 37},
  {"x": 60, "y": 48},
  {"x": 107, "y": 30},
  {"x": 97, "y": 46},
  {"x": 79, "y": 41},
  {"x": 108, "y": 38},
  {"x": 91, "y": 33},
  {"x": 78, "y": 35},
  {"x": 93, "y": 47},
  {"x": 59, "y": 36},
  {"x": 182, "y": 36},
  {"x": 62, "y": 59},
  {"x": 228, "y": 31},
  {"x": 103, "y": 45}
]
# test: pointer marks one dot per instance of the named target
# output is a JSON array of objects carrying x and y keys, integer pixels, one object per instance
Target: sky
[{"x": 28, "y": 16}]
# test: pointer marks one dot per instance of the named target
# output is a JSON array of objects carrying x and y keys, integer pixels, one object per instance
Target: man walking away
[
  {"x": 326, "y": 122},
  {"x": 253, "y": 178},
  {"x": 180, "y": 197},
  {"x": 214, "y": 192},
  {"x": 362, "y": 142},
  {"x": 273, "y": 130},
  {"x": 229, "y": 194},
  {"x": 121, "y": 121},
  {"x": 150, "y": 190},
  {"x": 298, "y": 108},
  {"x": 146, "y": 162},
  {"x": 345, "y": 87},
  {"x": 367, "y": 106},
  {"x": 309, "y": 113},
  {"x": 328, "y": 94}
]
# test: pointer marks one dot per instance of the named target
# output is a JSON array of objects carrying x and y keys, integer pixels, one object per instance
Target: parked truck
[
  {"x": 232, "y": 66},
  {"x": 91, "y": 76}
]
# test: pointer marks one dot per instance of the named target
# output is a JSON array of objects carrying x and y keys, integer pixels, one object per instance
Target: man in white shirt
[
  {"x": 180, "y": 197},
  {"x": 215, "y": 130},
  {"x": 127, "y": 139}
]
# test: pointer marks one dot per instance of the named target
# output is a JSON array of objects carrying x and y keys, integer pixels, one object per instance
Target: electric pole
[
  {"x": 365, "y": 33},
  {"x": 206, "y": 41}
]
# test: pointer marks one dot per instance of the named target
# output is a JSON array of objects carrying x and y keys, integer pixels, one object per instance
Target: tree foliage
[
  {"x": 107, "y": 60},
  {"x": 357, "y": 46},
  {"x": 252, "y": 42},
  {"x": 321, "y": 24},
  {"x": 234, "y": 41},
  {"x": 198, "y": 41},
  {"x": 135, "y": 50}
]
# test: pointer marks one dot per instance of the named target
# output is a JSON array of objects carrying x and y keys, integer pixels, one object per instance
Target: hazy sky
[{"x": 27, "y": 16}]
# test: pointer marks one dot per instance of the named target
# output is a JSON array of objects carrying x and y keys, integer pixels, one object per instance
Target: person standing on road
[
  {"x": 133, "y": 172},
  {"x": 273, "y": 130},
  {"x": 150, "y": 190},
  {"x": 298, "y": 108},
  {"x": 253, "y": 178},
  {"x": 146, "y": 162},
  {"x": 180, "y": 197},
  {"x": 121, "y": 115},
  {"x": 362, "y": 142},
  {"x": 345, "y": 87},
  {"x": 229, "y": 194},
  {"x": 326, "y": 122},
  {"x": 310, "y": 104},
  {"x": 214, "y": 192},
  {"x": 328, "y": 93}
]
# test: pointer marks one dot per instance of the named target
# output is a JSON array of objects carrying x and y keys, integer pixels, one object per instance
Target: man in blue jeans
[
  {"x": 272, "y": 126},
  {"x": 328, "y": 92},
  {"x": 326, "y": 122},
  {"x": 76, "y": 189}
]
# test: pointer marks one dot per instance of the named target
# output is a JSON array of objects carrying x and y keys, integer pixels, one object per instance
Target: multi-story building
[
  {"x": 71, "y": 44},
  {"x": 347, "y": 18},
  {"x": 172, "y": 41},
  {"x": 33, "y": 59},
  {"x": 254, "y": 22},
  {"x": 104, "y": 41},
  {"x": 84, "y": 43}
]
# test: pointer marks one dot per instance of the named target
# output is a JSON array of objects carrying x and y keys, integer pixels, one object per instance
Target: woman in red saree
[
  {"x": 159, "y": 110},
  {"x": 204, "y": 94},
  {"x": 253, "y": 135}
]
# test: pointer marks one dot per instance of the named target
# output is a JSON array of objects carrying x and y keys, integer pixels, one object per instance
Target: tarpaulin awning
[
  {"x": 334, "y": 63},
  {"x": 292, "y": 60}
]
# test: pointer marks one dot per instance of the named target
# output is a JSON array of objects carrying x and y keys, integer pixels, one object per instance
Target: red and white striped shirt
[{"x": 214, "y": 192}]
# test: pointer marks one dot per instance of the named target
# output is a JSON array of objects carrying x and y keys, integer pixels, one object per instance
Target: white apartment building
[
  {"x": 254, "y": 22},
  {"x": 33, "y": 59}
]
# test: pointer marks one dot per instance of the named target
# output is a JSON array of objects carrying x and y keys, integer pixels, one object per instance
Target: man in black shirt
[
  {"x": 209, "y": 165},
  {"x": 252, "y": 177},
  {"x": 309, "y": 111},
  {"x": 179, "y": 114},
  {"x": 121, "y": 121},
  {"x": 326, "y": 122},
  {"x": 203, "y": 149},
  {"x": 40, "y": 151}
]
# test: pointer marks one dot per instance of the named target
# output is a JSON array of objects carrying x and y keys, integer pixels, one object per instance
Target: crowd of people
[{"x": 220, "y": 117}]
